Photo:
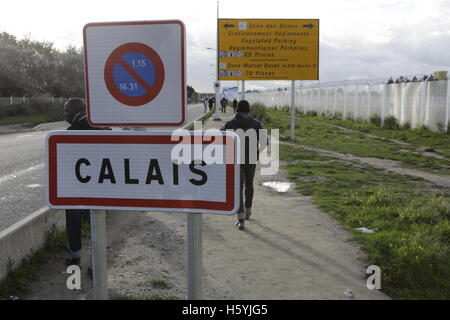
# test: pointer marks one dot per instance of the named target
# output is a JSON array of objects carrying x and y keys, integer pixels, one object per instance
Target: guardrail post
[
  {"x": 292, "y": 110},
  {"x": 369, "y": 101},
  {"x": 448, "y": 106}
]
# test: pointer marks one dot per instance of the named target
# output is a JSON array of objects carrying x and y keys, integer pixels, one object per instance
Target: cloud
[{"x": 358, "y": 39}]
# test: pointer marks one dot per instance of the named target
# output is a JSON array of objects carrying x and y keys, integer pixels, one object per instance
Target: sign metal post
[
  {"x": 194, "y": 265},
  {"x": 99, "y": 258}
]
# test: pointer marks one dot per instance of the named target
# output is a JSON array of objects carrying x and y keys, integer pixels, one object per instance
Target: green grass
[
  {"x": 159, "y": 283},
  {"x": 411, "y": 242},
  {"x": 420, "y": 137},
  {"x": 33, "y": 113},
  {"x": 17, "y": 282},
  {"x": 411, "y": 222},
  {"x": 202, "y": 119},
  {"x": 31, "y": 120},
  {"x": 310, "y": 132}
]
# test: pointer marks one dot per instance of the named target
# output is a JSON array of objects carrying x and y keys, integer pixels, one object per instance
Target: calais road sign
[
  {"x": 153, "y": 171},
  {"x": 135, "y": 73},
  {"x": 268, "y": 49}
]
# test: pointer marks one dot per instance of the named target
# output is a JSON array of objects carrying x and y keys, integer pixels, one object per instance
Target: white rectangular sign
[
  {"x": 135, "y": 73},
  {"x": 154, "y": 171}
]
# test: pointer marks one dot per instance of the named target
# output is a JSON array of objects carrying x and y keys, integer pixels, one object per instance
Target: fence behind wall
[
  {"x": 4, "y": 101},
  {"x": 424, "y": 103}
]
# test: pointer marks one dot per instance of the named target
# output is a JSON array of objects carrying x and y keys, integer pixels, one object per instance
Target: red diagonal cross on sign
[{"x": 117, "y": 57}]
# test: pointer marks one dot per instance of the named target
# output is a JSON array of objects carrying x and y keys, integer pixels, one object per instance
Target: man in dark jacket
[
  {"x": 242, "y": 120},
  {"x": 75, "y": 115}
]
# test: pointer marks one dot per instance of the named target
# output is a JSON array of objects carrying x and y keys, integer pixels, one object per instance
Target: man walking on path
[
  {"x": 242, "y": 120},
  {"x": 235, "y": 103},
  {"x": 223, "y": 104}
]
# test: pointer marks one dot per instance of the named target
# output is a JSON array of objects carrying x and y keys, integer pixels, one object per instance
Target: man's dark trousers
[
  {"x": 247, "y": 176},
  {"x": 73, "y": 229}
]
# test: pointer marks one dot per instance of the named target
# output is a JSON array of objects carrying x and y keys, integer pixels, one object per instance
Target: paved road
[{"x": 22, "y": 180}]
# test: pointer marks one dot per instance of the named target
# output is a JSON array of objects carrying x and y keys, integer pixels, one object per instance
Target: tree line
[{"x": 35, "y": 68}]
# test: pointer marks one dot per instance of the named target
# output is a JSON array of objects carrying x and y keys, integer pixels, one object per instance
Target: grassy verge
[
  {"x": 17, "y": 282},
  {"x": 202, "y": 119},
  {"x": 410, "y": 220},
  {"x": 34, "y": 113},
  {"x": 30, "y": 120},
  {"x": 311, "y": 132},
  {"x": 420, "y": 137}
]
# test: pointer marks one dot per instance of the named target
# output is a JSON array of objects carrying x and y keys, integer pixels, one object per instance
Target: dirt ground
[{"x": 289, "y": 250}]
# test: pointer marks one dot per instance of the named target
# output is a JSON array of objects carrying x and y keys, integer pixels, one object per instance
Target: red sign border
[
  {"x": 92, "y": 203},
  {"x": 183, "y": 75}
]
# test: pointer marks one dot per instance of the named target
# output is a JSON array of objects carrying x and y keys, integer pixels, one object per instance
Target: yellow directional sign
[{"x": 268, "y": 49}]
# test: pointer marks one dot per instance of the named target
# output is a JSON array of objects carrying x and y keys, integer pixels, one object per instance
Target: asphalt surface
[{"x": 22, "y": 178}]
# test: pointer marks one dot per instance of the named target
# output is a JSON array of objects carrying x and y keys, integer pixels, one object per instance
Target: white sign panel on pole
[
  {"x": 135, "y": 73},
  {"x": 125, "y": 170}
]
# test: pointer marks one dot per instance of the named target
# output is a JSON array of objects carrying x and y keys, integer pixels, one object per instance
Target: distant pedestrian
[
  {"x": 75, "y": 115},
  {"x": 242, "y": 120},
  {"x": 205, "y": 104},
  {"x": 235, "y": 103},
  {"x": 223, "y": 104},
  {"x": 211, "y": 102}
]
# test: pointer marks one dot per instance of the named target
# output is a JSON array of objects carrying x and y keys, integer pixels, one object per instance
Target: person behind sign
[
  {"x": 75, "y": 115},
  {"x": 242, "y": 120}
]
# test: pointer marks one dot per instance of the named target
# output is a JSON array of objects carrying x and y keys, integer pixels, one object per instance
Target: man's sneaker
[
  {"x": 248, "y": 213},
  {"x": 240, "y": 224},
  {"x": 73, "y": 261}
]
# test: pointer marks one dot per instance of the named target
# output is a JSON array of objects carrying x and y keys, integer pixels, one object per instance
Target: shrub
[
  {"x": 441, "y": 127},
  {"x": 390, "y": 123},
  {"x": 337, "y": 115},
  {"x": 311, "y": 113},
  {"x": 259, "y": 111},
  {"x": 375, "y": 120},
  {"x": 406, "y": 126}
]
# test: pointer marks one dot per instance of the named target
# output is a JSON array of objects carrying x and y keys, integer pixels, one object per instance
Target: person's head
[
  {"x": 243, "y": 106},
  {"x": 72, "y": 107}
]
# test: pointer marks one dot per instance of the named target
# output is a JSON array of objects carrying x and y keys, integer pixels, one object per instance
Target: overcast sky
[{"x": 359, "y": 39}]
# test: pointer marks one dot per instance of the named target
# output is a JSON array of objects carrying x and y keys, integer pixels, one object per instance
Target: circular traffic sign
[{"x": 134, "y": 74}]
